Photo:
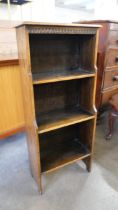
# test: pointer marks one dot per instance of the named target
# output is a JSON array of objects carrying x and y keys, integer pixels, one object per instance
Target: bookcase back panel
[
  {"x": 49, "y": 97},
  {"x": 82, "y": 131},
  {"x": 55, "y": 53}
]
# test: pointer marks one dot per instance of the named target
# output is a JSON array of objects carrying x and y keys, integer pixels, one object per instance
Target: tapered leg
[
  {"x": 88, "y": 163},
  {"x": 39, "y": 183},
  {"x": 111, "y": 118}
]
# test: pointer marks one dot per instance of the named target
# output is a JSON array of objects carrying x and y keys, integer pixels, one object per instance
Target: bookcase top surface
[{"x": 28, "y": 23}]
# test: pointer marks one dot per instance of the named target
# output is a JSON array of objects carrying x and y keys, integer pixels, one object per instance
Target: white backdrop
[{"x": 46, "y": 10}]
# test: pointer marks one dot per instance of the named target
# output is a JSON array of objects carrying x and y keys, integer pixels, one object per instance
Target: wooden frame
[{"x": 60, "y": 88}]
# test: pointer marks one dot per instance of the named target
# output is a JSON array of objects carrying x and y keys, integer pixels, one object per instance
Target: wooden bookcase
[{"x": 58, "y": 70}]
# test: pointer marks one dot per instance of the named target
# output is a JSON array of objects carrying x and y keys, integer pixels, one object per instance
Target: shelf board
[
  {"x": 56, "y": 76},
  {"x": 61, "y": 118},
  {"x": 57, "y": 155}
]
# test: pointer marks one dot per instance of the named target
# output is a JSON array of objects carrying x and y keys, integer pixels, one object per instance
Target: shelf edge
[
  {"x": 63, "y": 79},
  {"x": 65, "y": 125},
  {"x": 67, "y": 163}
]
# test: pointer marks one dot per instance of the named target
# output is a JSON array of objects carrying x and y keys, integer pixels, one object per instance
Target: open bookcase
[{"x": 58, "y": 70}]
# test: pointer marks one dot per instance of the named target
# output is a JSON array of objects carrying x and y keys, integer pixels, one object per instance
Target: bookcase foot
[
  {"x": 87, "y": 162},
  {"x": 40, "y": 188}
]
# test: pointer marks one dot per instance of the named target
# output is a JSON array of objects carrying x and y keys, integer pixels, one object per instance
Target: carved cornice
[{"x": 60, "y": 30}]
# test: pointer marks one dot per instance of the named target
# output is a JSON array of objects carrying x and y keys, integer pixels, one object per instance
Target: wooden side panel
[
  {"x": 11, "y": 106},
  {"x": 88, "y": 160},
  {"x": 102, "y": 45},
  {"x": 88, "y": 102},
  {"x": 28, "y": 101}
]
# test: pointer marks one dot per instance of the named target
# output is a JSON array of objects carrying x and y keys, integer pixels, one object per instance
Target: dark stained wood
[
  {"x": 113, "y": 113},
  {"x": 113, "y": 39},
  {"x": 102, "y": 44},
  {"x": 57, "y": 76},
  {"x": 62, "y": 118},
  {"x": 59, "y": 154},
  {"x": 111, "y": 78},
  {"x": 64, "y": 95},
  {"x": 66, "y": 145},
  {"x": 58, "y": 69},
  {"x": 106, "y": 94},
  {"x": 111, "y": 57},
  {"x": 60, "y": 53}
]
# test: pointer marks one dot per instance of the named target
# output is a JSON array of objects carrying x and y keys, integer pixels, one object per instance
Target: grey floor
[{"x": 70, "y": 188}]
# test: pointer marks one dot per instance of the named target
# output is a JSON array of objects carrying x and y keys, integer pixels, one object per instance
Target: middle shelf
[
  {"x": 63, "y": 103},
  {"x": 56, "y": 76},
  {"x": 61, "y": 118}
]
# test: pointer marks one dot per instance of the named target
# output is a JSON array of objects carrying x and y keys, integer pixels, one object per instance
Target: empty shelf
[
  {"x": 57, "y": 155},
  {"x": 56, "y": 76},
  {"x": 61, "y": 118}
]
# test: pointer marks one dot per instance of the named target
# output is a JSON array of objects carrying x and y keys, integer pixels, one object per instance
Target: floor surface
[{"x": 69, "y": 188}]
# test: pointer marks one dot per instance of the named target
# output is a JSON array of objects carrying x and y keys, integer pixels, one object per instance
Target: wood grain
[
  {"x": 113, "y": 39},
  {"x": 106, "y": 94},
  {"x": 28, "y": 104},
  {"x": 62, "y": 118},
  {"x": 109, "y": 78},
  {"x": 111, "y": 58},
  {"x": 11, "y": 106},
  {"x": 43, "y": 78}
]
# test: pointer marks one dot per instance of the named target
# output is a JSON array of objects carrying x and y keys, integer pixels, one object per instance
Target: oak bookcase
[{"x": 58, "y": 71}]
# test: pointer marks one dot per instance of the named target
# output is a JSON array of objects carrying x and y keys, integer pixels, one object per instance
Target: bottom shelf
[{"x": 58, "y": 154}]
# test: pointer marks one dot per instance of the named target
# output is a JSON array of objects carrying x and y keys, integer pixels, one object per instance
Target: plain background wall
[{"x": 46, "y": 10}]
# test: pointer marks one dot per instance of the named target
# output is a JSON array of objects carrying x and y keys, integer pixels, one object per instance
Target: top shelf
[{"x": 56, "y": 76}]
